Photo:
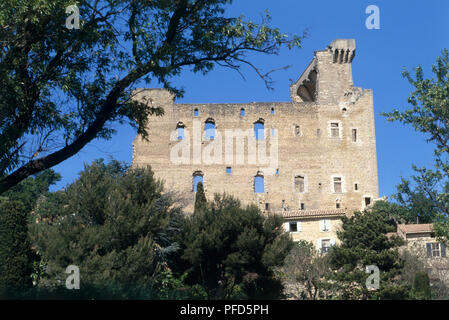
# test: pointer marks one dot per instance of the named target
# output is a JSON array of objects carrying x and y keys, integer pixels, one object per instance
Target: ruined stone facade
[{"x": 321, "y": 146}]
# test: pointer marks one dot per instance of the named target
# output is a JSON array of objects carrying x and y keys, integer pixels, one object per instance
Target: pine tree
[
  {"x": 15, "y": 252},
  {"x": 231, "y": 252},
  {"x": 116, "y": 224},
  {"x": 200, "y": 198},
  {"x": 364, "y": 243}
]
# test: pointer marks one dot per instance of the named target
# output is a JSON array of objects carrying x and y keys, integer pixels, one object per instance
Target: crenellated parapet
[
  {"x": 329, "y": 75},
  {"x": 343, "y": 50}
]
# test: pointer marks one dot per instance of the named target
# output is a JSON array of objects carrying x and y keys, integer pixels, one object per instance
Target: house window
[
  {"x": 209, "y": 129},
  {"x": 228, "y": 170},
  {"x": 338, "y": 185},
  {"x": 337, "y": 205},
  {"x": 335, "y": 130},
  {"x": 325, "y": 245},
  {"x": 197, "y": 178},
  {"x": 299, "y": 184},
  {"x": 195, "y": 113},
  {"x": 354, "y": 135},
  {"x": 259, "y": 129},
  {"x": 325, "y": 225},
  {"x": 367, "y": 201},
  {"x": 435, "y": 249},
  {"x": 293, "y": 227},
  {"x": 242, "y": 112},
  {"x": 356, "y": 187},
  {"x": 303, "y": 206},
  {"x": 259, "y": 183}
]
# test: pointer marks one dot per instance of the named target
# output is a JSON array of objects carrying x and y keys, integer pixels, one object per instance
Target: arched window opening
[
  {"x": 195, "y": 112},
  {"x": 259, "y": 183},
  {"x": 180, "y": 128},
  {"x": 209, "y": 129},
  {"x": 259, "y": 128},
  {"x": 242, "y": 112},
  {"x": 197, "y": 178}
]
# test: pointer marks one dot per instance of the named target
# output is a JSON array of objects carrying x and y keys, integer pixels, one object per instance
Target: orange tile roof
[
  {"x": 391, "y": 234},
  {"x": 415, "y": 228},
  {"x": 312, "y": 213}
]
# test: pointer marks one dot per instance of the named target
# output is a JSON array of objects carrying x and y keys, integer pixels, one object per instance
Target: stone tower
[{"x": 311, "y": 157}]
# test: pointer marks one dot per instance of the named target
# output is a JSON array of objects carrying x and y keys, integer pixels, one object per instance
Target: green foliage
[
  {"x": 421, "y": 287},
  {"x": 200, "y": 198},
  {"x": 115, "y": 224},
  {"x": 15, "y": 253},
  {"x": 363, "y": 243},
  {"x": 429, "y": 114},
  {"x": 31, "y": 189},
  {"x": 232, "y": 252},
  {"x": 170, "y": 287},
  {"x": 61, "y": 88},
  {"x": 414, "y": 206}
]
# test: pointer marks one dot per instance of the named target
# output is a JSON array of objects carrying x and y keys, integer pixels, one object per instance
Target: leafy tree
[
  {"x": 61, "y": 88},
  {"x": 307, "y": 271},
  {"x": 414, "y": 206},
  {"x": 200, "y": 198},
  {"x": 32, "y": 188},
  {"x": 364, "y": 243},
  {"x": 15, "y": 253},
  {"x": 429, "y": 114},
  {"x": 232, "y": 252},
  {"x": 115, "y": 224}
]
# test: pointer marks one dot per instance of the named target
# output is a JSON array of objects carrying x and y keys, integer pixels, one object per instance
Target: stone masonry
[{"x": 321, "y": 146}]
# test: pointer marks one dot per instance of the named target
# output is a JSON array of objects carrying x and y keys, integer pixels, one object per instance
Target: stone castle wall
[{"x": 324, "y": 95}]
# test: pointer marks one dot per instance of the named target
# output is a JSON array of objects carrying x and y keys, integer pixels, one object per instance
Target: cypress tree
[
  {"x": 421, "y": 286},
  {"x": 200, "y": 198},
  {"x": 15, "y": 253}
]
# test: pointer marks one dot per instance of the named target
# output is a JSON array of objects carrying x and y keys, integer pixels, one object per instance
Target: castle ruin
[{"x": 312, "y": 160}]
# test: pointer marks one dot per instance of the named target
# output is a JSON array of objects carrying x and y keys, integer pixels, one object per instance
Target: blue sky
[{"x": 411, "y": 33}]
